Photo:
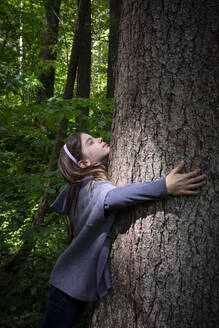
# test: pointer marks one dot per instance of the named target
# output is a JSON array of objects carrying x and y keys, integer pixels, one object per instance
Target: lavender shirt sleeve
[{"x": 133, "y": 194}]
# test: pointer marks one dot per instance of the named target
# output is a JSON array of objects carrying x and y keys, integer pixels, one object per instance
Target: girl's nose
[{"x": 100, "y": 139}]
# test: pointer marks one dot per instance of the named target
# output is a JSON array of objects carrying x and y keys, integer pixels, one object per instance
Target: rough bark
[
  {"x": 84, "y": 67},
  {"x": 115, "y": 8},
  {"x": 164, "y": 261},
  {"x": 48, "y": 53}
]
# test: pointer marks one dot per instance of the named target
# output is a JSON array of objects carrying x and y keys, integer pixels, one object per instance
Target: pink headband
[{"x": 69, "y": 154}]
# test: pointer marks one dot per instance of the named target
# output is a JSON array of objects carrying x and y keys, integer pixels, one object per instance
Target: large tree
[{"x": 164, "y": 260}]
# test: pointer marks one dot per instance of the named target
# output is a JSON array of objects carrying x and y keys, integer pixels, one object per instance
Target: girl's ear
[{"x": 84, "y": 163}]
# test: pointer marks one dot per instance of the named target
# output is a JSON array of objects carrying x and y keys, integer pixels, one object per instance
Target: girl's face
[{"x": 93, "y": 150}]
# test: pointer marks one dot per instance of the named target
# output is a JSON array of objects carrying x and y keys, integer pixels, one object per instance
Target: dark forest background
[{"x": 57, "y": 61}]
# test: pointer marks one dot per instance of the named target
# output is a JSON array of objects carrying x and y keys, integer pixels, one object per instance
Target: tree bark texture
[
  {"x": 84, "y": 66},
  {"x": 164, "y": 260},
  {"x": 48, "y": 53}
]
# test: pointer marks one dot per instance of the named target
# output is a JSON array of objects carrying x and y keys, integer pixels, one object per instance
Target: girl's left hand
[{"x": 184, "y": 183}]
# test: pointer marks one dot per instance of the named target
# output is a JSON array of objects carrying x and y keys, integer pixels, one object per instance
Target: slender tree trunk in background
[
  {"x": 115, "y": 8},
  {"x": 164, "y": 261},
  {"x": 76, "y": 48},
  {"x": 84, "y": 66},
  {"x": 21, "y": 48},
  {"x": 48, "y": 53},
  {"x": 68, "y": 94}
]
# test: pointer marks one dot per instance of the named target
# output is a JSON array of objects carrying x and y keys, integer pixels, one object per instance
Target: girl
[{"x": 90, "y": 201}]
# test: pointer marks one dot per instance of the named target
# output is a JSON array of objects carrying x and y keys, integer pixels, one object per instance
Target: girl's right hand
[{"x": 184, "y": 183}]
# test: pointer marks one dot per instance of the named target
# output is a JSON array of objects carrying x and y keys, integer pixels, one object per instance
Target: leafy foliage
[{"x": 27, "y": 135}]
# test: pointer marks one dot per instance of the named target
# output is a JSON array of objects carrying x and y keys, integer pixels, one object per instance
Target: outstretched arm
[
  {"x": 135, "y": 193},
  {"x": 174, "y": 184}
]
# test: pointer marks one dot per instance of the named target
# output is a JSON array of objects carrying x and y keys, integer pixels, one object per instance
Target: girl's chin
[{"x": 105, "y": 158}]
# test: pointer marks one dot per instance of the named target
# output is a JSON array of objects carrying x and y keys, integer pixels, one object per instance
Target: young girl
[{"x": 90, "y": 201}]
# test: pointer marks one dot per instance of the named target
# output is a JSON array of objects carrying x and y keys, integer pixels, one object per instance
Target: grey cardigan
[{"x": 82, "y": 270}]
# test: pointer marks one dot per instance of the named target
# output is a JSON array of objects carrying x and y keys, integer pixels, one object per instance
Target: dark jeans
[{"x": 62, "y": 310}]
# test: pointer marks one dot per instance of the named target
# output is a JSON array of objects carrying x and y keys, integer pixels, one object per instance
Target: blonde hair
[{"x": 73, "y": 174}]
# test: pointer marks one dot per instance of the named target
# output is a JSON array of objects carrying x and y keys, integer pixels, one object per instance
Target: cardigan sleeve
[
  {"x": 133, "y": 194},
  {"x": 59, "y": 204}
]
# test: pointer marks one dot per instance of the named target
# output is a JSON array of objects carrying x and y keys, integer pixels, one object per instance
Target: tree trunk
[
  {"x": 48, "y": 53},
  {"x": 84, "y": 66},
  {"x": 115, "y": 8},
  {"x": 164, "y": 260},
  {"x": 76, "y": 48},
  {"x": 21, "y": 46}
]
